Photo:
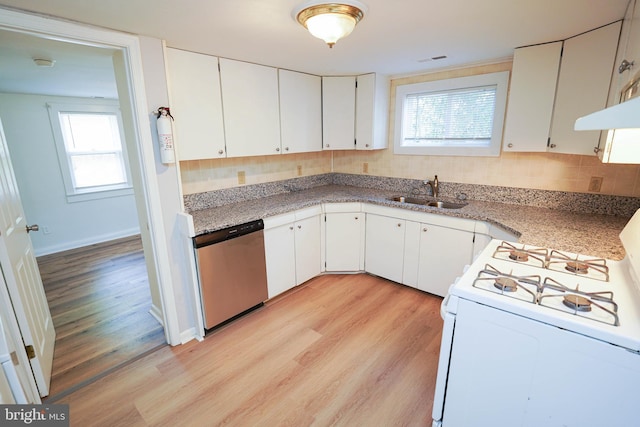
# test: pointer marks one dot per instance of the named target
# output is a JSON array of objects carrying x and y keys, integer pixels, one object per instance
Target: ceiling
[{"x": 395, "y": 37}]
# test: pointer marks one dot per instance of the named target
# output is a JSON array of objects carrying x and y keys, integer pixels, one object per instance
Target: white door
[{"x": 22, "y": 275}]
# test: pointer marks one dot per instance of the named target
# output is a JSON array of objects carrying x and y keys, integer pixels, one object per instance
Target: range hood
[
  {"x": 622, "y": 121},
  {"x": 625, "y": 115}
]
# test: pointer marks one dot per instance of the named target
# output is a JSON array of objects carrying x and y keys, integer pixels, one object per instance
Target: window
[
  {"x": 454, "y": 117},
  {"x": 89, "y": 141}
]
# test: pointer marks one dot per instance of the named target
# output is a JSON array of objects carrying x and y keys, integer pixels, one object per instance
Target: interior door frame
[{"x": 140, "y": 132}]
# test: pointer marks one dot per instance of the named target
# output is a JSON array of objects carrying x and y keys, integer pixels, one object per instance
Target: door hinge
[{"x": 31, "y": 352}]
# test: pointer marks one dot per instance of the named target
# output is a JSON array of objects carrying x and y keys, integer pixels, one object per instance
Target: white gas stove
[
  {"x": 553, "y": 336},
  {"x": 593, "y": 297}
]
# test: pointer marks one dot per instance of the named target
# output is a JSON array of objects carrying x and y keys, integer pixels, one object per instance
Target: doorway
[{"x": 147, "y": 199}]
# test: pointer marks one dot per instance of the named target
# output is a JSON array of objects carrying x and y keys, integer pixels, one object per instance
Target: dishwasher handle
[{"x": 227, "y": 233}]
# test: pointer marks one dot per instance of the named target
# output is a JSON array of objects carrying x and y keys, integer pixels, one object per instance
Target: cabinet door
[
  {"x": 583, "y": 87},
  {"x": 372, "y": 111},
  {"x": 338, "y": 113},
  {"x": 300, "y": 112},
  {"x": 344, "y": 233},
  {"x": 280, "y": 257},
  {"x": 531, "y": 96},
  {"x": 196, "y": 103},
  {"x": 443, "y": 254},
  {"x": 384, "y": 247},
  {"x": 251, "y": 108},
  {"x": 307, "y": 242}
]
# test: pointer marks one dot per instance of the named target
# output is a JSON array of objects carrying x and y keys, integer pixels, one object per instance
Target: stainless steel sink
[{"x": 426, "y": 202}]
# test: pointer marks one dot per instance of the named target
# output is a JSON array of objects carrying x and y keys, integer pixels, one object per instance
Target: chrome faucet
[{"x": 434, "y": 185}]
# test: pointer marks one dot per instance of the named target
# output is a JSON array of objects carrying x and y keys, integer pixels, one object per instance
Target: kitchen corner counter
[{"x": 589, "y": 234}]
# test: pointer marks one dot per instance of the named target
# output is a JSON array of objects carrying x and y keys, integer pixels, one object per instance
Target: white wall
[{"x": 33, "y": 154}]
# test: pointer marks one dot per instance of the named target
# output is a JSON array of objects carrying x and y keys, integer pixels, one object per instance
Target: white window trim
[
  {"x": 500, "y": 79},
  {"x": 91, "y": 193}
]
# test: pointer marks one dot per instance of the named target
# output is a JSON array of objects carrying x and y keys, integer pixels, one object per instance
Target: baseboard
[
  {"x": 157, "y": 314},
  {"x": 188, "y": 335},
  {"x": 65, "y": 246}
]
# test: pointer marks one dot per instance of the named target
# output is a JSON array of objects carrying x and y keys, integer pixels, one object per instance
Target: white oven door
[{"x": 506, "y": 370}]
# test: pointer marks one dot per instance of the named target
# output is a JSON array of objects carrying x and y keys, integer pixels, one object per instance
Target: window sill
[{"x": 99, "y": 194}]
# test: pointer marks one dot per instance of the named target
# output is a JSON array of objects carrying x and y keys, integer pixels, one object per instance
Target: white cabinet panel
[
  {"x": 251, "y": 108},
  {"x": 338, "y": 113},
  {"x": 443, "y": 254},
  {"x": 372, "y": 112},
  {"x": 300, "y": 112},
  {"x": 307, "y": 245},
  {"x": 583, "y": 87},
  {"x": 196, "y": 103},
  {"x": 344, "y": 241},
  {"x": 384, "y": 247},
  {"x": 531, "y": 97},
  {"x": 279, "y": 246}
]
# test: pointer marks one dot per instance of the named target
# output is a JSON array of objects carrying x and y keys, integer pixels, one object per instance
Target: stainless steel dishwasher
[{"x": 232, "y": 271}]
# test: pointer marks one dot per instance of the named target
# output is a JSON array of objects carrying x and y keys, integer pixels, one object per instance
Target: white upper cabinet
[
  {"x": 338, "y": 113},
  {"x": 583, "y": 87},
  {"x": 628, "y": 50},
  {"x": 300, "y": 112},
  {"x": 552, "y": 85},
  {"x": 251, "y": 108},
  {"x": 531, "y": 96},
  {"x": 194, "y": 83},
  {"x": 372, "y": 111}
]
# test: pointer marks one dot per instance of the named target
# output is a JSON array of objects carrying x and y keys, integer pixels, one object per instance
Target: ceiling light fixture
[
  {"x": 47, "y": 63},
  {"x": 330, "y": 21}
]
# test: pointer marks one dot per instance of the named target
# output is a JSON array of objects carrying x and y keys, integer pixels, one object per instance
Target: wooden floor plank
[
  {"x": 99, "y": 300},
  {"x": 350, "y": 350}
]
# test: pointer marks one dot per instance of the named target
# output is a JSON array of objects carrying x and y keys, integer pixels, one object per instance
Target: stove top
[{"x": 586, "y": 295}]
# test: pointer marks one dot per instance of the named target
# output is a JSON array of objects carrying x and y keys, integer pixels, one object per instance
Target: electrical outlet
[
  {"x": 299, "y": 170},
  {"x": 242, "y": 178},
  {"x": 595, "y": 184},
  {"x": 365, "y": 167}
]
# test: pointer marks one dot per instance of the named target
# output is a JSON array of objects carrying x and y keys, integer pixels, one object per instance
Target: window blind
[{"x": 450, "y": 118}]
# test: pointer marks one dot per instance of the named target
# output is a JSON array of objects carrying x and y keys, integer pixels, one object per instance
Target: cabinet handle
[
  {"x": 552, "y": 146},
  {"x": 425, "y": 229},
  {"x": 286, "y": 148},
  {"x": 356, "y": 218},
  {"x": 220, "y": 151},
  {"x": 399, "y": 225},
  {"x": 327, "y": 146},
  {"x": 366, "y": 145},
  {"x": 510, "y": 145},
  {"x": 299, "y": 227},
  {"x": 291, "y": 227},
  {"x": 278, "y": 149}
]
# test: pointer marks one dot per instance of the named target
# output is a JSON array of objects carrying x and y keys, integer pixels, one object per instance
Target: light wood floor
[
  {"x": 342, "y": 350},
  {"x": 99, "y": 300}
]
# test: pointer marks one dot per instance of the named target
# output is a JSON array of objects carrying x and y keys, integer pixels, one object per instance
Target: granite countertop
[{"x": 590, "y": 234}]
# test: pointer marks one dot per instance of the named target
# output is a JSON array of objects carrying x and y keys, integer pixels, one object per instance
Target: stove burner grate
[
  {"x": 510, "y": 252},
  {"x": 578, "y": 302}
]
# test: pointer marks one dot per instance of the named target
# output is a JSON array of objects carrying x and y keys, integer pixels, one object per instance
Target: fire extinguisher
[{"x": 165, "y": 135}]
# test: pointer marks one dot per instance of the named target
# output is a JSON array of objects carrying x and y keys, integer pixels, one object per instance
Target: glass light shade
[
  {"x": 622, "y": 146},
  {"x": 330, "y": 27}
]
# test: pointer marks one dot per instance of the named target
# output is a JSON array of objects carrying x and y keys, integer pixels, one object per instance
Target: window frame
[
  {"x": 74, "y": 194},
  {"x": 499, "y": 79}
]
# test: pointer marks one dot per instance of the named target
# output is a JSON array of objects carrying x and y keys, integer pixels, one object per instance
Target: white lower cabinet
[
  {"x": 292, "y": 249},
  {"x": 344, "y": 237},
  {"x": 384, "y": 246},
  {"x": 421, "y": 250},
  {"x": 443, "y": 254}
]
